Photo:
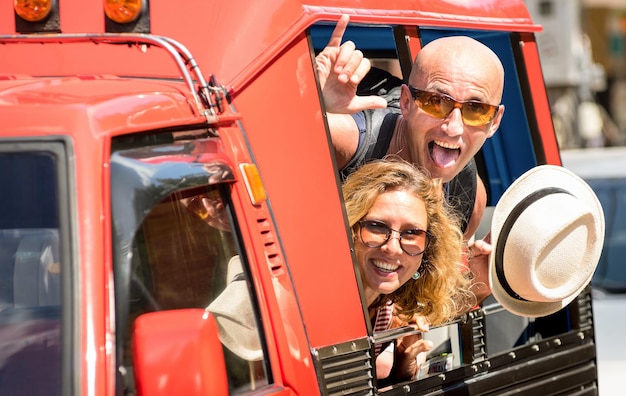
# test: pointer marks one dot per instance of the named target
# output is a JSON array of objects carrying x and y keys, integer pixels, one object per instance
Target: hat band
[{"x": 516, "y": 212}]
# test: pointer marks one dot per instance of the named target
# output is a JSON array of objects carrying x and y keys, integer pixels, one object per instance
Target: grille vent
[
  {"x": 585, "y": 310},
  {"x": 474, "y": 344},
  {"x": 346, "y": 369}
]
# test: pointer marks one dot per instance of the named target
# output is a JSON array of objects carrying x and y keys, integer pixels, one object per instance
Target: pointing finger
[{"x": 340, "y": 29}]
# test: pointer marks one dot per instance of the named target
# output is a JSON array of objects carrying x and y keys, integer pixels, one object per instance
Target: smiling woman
[{"x": 408, "y": 249}]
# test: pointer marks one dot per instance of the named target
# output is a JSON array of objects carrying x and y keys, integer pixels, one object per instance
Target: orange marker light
[
  {"x": 123, "y": 11},
  {"x": 255, "y": 187},
  {"x": 33, "y": 10}
]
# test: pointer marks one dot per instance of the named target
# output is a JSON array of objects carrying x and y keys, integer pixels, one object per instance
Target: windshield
[{"x": 30, "y": 273}]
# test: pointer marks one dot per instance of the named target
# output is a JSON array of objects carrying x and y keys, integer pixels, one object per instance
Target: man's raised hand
[{"x": 341, "y": 67}]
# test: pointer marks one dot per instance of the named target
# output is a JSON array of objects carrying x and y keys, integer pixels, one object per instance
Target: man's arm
[
  {"x": 344, "y": 134},
  {"x": 480, "y": 202},
  {"x": 479, "y": 251}
]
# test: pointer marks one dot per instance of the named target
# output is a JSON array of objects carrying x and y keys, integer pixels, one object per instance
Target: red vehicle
[{"x": 113, "y": 132}]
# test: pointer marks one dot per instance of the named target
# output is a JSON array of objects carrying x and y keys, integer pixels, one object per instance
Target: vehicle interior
[{"x": 181, "y": 252}]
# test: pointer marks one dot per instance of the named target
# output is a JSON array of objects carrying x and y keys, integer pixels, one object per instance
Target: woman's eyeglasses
[
  {"x": 440, "y": 105},
  {"x": 375, "y": 234}
]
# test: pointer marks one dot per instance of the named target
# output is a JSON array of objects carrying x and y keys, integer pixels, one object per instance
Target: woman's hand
[{"x": 409, "y": 347}]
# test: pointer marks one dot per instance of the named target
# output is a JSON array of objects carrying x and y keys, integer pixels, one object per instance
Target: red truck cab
[{"x": 116, "y": 139}]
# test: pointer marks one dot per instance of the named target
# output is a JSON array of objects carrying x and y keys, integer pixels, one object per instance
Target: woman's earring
[{"x": 416, "y": 275}]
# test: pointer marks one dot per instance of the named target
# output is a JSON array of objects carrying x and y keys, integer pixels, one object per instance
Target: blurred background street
[
  {"x": 582, "y": 47},
  {"x": 583, "y": 54},
  {"x": 610, "y": 323},
  {"x": 605, "y": 171}
]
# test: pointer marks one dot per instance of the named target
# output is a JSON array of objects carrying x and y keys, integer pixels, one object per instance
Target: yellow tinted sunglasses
[{"x": 440, "y": 106}]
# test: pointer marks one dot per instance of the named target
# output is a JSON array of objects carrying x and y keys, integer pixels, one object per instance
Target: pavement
[{"x": 609, "y": 311}]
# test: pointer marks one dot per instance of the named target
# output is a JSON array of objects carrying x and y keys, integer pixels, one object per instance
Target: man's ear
[
  {"x": 495, "y": 124},
  {"x": 405, "y": 100}
]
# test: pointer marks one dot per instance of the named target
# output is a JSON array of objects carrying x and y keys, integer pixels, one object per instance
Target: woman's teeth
[{"x": 386, "y": 267}]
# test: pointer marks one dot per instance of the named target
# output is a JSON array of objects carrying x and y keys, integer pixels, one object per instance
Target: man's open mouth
[{"x": 443, "y": 154}]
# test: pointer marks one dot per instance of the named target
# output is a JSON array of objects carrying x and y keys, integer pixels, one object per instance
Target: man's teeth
[
  {"x": 447, "y": 145},
  {"x": 385, "y": 266}
]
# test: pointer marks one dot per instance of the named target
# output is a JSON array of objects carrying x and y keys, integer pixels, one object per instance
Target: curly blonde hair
[{"x": 442, "y": 291}]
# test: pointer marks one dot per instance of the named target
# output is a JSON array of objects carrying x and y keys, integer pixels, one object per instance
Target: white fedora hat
[
  {"x": 234, "y": 315},
  {"x": 547, "y": 234}
]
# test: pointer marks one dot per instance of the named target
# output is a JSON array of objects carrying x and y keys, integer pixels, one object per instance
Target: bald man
[{"x": 439, "y": 120}]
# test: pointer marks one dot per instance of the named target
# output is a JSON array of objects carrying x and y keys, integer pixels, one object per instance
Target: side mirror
[{"x": 178, "y": 352}]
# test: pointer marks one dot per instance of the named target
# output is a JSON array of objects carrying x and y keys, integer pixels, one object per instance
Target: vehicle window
[
  {"x": 503, "y": 158},
  {"x": 185, "y": 256},
  {"x": 30, "y": 273}
]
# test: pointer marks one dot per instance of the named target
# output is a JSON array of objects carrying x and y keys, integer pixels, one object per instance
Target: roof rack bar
[{"x": 179, "y": 53}]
